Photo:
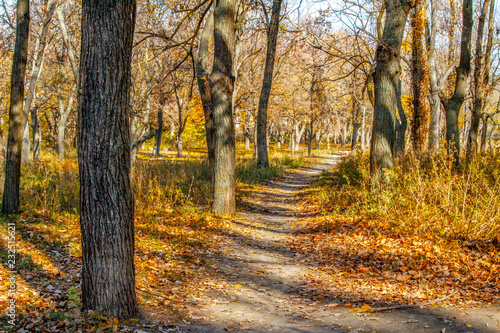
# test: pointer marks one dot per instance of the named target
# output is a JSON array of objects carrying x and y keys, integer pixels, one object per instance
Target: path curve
[{"x": 263, "y": 284}]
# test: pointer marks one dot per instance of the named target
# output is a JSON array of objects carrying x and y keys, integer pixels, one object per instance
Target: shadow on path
[{"x": 263, "y": 286}]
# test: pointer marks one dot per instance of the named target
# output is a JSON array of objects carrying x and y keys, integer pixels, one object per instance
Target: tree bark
[
  {"x": 363, "y": 129},
  {"x": 37, "y": 133},
  {"x": 453, "y": 104},
  {"x": 159, "y": 131},
  {"x": 221, "y": 88},
  {"x": 10, "y": 200},
  {"x": 386, "y": 80},
  {"x": 479, "y": 84},
  {"x": 434, "y": 102},
  {"x": 272, "y": 38},
  {"x": 205, "y": 95},
  {"x": 355, "y": 122},
  {"x": 106, "y": 197},
  {"x": 420, "y": 87},
  {"x": 310, "y": 137}
]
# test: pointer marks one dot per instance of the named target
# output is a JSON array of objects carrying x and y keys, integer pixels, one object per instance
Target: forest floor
[
  {"x": 260, "y": 284},
  {"x": 284, "y": 263}
]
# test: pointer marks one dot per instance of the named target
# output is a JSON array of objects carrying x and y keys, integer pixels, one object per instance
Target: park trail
[{"x": 262, "y": 284}]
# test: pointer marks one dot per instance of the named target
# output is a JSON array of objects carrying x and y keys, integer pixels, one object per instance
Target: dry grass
[
  {"x": 423, "y": 195},
  {"x": 175, "y": 236},
  {"x": 426, "y": 233}
]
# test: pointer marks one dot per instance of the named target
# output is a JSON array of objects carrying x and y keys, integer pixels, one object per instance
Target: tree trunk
[
  {"x": 37, "y": 134},
  {"x": 221, "y": 88},
  {"x": 386, "y": 81},
  {"x": 310, "y": 137},
  {"x": 328, "y": 141},
  {"x": 401, "y": 125},
  {"x": 106, "y": 197},
  {"x": 479, "y": 84},
  {"x": 298, "y": 136},
  {"x": 419, "y": 80},
  {"x": 247, "y": 140},
  {"x": 355, "y": 123},
  {"x": 10, "y": 200},
  {"x": 272, "y": 38},
  {"x": 25, "y": 159},
  {"x": 179, "y": 144},
  {"x": 484, "y": 135},
  {"x": 159, "y": 131},
  {"x": 205, "y": 96},
  {"x": 453, "y": 104},
  {"x": 60, "y": 137},
  {"x": 434, "y": 102},
  {"x": 363, "y": 129}
]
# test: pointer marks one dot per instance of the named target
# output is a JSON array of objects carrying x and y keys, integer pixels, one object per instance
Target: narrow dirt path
[{"x": 263, "y": 286}]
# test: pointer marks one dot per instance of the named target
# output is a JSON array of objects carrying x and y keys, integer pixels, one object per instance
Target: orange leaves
[{"x": 363, "y": 270}]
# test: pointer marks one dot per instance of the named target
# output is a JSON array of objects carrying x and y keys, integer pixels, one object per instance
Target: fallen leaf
[
  {"x": 365, "y": 307},
  {"x": 363, "y": 269}
]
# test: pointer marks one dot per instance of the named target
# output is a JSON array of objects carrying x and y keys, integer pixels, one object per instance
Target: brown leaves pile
[{"x": 361, "y": 264}]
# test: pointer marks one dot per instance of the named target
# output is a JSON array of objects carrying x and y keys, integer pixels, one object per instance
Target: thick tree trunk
[
  {"x": 10, "y": 200},
  {"x": 205, "y": 96},
  {"x": 272, "y": 38},
  {"x": 221, "y": 88},
  {"x": 453, "y": 104},
  {"x": 106, "y": 197},
  {"x": 159, "y": 131},
  {"x": 386, "y": 80}
]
